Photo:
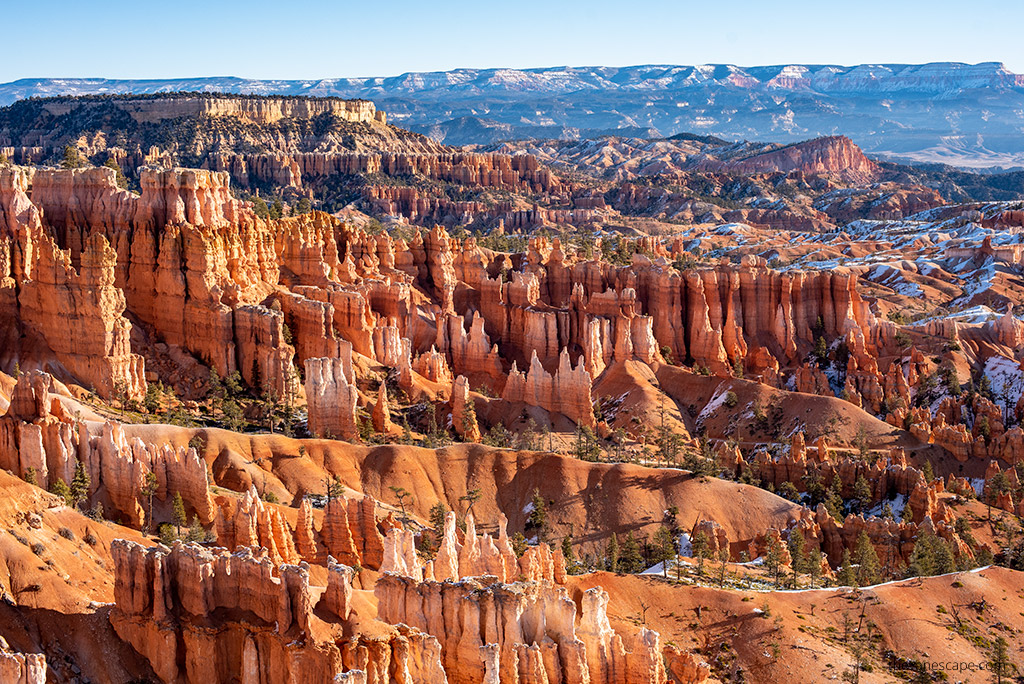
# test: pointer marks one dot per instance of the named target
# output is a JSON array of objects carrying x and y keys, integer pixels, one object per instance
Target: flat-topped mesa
[
  {"x": 537, "y": 641},
  {"x": 80, "y": 317},
  {"x": 254, "y": 110}
]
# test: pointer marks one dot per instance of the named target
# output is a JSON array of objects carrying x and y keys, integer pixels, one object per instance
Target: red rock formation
[
  {"x": 37, "y": 433},
  {"x": 332, "y": 398},
  {"x": 164, "y": 601},
  {"x": 547, "y": 648},
  {"x": 835, "y": 156},
  {"x": 21, "y": 668},
  {"x": 80, "y": 317},
  {"x": 567, "y": 392},
  {"x": 463, "y": 419}
]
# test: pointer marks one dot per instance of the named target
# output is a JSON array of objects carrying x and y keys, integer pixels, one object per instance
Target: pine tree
[
  {"x": 60, "y": 488},
  {"x": 773, "y": 558},
  {"x": 79, "y": 485},
  {"x": 1000, "y": 664},
  {"x": 847, "y": 577},
  {"x": 611, "y": 554},
  {"x": 797, "y": 552},
  {"x": 631, "y": 560},
  {"x": 928, "y": 472},
  {"x": 149, "y": 489},
  {"x": 71, "y": 158},
  {"x": 834, "y": 499},
  {"x": 814, "y": 561},
  {"x": 538, "y": 518},
  {"x": 569, "y": 555},
  {"x": 178, "y": 515},
  {"x": 944, "y": 559},
  {"x": 869, "y": 570},
  {"x": 664, "y": 548},
  {"x": 518, "y": 544},
  {"x": 701, "y": 550},
  {"x": 436, "y": 516},
  {"x": 922, "y": 559},
  {"x": 862, "y": 493}
]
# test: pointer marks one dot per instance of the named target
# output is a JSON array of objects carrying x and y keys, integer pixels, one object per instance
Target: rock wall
[
  {"x": 204, "y": 615},
  {"x": 37, "y": 434},
  {"x": 495, "y": 632},
  {"x": 332, "y": 398}
]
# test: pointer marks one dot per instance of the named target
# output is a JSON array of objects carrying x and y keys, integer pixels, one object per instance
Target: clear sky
[{"x": 322, "y": 38}]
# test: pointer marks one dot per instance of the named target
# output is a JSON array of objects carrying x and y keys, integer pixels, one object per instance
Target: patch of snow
[{"x": 1006, "y": 377}]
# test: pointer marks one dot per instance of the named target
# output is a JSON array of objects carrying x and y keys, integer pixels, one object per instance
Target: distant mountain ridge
[{"x": 962, "y": 114}]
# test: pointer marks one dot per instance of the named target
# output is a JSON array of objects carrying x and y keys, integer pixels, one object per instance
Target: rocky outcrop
[
  {"x": 21, "y": 668},
  {"x": 568, "y": 391},
  {"x": 463, "y": 414},
  {"x": 38, "y": 434},
  {"x": 79, "y": 314},
  {"x": 835, "y": 156},
  {"x": 332, "y": 398},
  {"x": 533, "y": 627},
  {"x": 266, "y": 626}
]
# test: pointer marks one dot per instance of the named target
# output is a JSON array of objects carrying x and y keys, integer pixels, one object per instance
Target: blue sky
[{"x": 321, "y": 39}]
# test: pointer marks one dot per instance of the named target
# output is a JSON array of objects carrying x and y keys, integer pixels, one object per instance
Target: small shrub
[
  {"x": 67, "y": 533},
  {"x": 731, "y": 399},
  {"x": 90, "y": 538},
  {"x": 38, "y": 548}
]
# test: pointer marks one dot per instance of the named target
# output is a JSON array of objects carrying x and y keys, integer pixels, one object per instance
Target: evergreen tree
[
  {"x": 60, "y": 488},
  {"x": 571, "y": 565},
  {"x": 814, "y": 561},
  {"x": 196, "y": 533},
  {"x": 798, "y": 553},
  {"x": 922, "y": 559},
  {"x": 944, "y": 560},
  {"x": 869, "y": 570},
  {"x": 631, "y": 560},
  {"x": 814, "y": 487},
  {"x": 178, "y": 514},
  {"x": 928, "y": 471},
  {"x": 538, "y": 518},
  {"x": 847, "y": 577},
  {"x": 71, "y": 159},
  {"x": 471, "y": 497},
  {"x": 1000, "y": 664},
  {"x": 862, "y": 493},
  {"x": 701, "y": 550},
  {"x": 611, "y": 554},
  {"x": 436, "y": 516},
  {"x": 664, "y": 548},
  {"x": 773, "y": 558},
  {"x": 518, "y": 544},
  {"x": 834, "y": 499},
  {"x": 79, "y": 485},
  {"x": 119, "y": 177}
]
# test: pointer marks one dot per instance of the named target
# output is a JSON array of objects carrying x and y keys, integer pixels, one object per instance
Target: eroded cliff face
[
  {"x": 267, "y": 298},
  {"x": 39, "y": 440},
  {"x": 206, "y": 615}
]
